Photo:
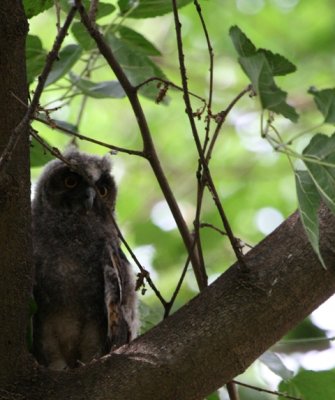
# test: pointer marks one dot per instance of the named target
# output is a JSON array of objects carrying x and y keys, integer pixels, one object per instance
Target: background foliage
[{"x": 255, "y": 183}]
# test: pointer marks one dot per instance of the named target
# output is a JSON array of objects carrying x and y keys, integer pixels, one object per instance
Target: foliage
[
  {"x": 80, "y": 76},
  {"x": 310, "y": 385}
]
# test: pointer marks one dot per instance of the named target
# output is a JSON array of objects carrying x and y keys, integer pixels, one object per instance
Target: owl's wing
[{"x": 118, "y": 329}]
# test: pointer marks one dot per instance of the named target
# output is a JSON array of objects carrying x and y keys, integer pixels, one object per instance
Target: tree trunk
[{"x": 15, "y": 243}]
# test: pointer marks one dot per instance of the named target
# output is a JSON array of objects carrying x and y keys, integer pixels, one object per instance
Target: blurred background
[{"x": 255, "y": 183}]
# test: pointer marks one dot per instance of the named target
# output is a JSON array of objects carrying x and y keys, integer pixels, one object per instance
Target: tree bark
[
  {"x": 15, "y": 244},
  {"x": 214, "y": 337}
]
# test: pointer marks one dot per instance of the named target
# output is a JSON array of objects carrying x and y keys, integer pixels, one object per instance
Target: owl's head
[{"x": 85, "y": 185}]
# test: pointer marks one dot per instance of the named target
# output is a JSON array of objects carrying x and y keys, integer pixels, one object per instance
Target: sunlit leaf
[
  {"x": 35, "y": 57},
  {"x": 309, "y": 201},
  {"x": 310, "y": 385},
  {"x": 321, "y": 167},
  {"x": 148, "y": 8},
  {"x": 276, "y": 365},
  {"x": 325, "y": 101},
  {"x": 39, "y": 156},
  {"x": 101, "y": 90},
  {"x": 261, "y": 66},
  {"x": 35, "y": 7},
  {"x": 68, "y": 56},
  {"x": 271, "y": 96}
]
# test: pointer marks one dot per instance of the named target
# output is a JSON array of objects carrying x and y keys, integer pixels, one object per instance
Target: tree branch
[
  {"x": 149, "y": 148},
  {"x": 52, "y": 56},
  {"x": 204, "y": 165},
  {"x": 218, "y": 334}
]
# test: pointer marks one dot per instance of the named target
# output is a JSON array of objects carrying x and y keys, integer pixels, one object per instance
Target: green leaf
[
  {"x": 68, "y": 56},
  {"x": 241, "y": 42},
  {"x": 271, "y": 96},
  {"x": 39, "y": 156},
  {"x": 279, "y": 64},
  {"x": 82, "y": 36},
  {"x": 261, "y": 66},
  {"x": 35, "y": 57},
  {"x": 275, "y": 364},
  {"x": 310, "y": 385},
  {"x": 101, "y": 90},
  {"x": 325, "y": 102},
  {"x": 35, "y": 7},
  {"x": 321, "y": 167},
  {"x": 309, "y": 201},
  {"x": 137, "y": 66},
  {"x": 148, "y": 8},
  {"x": 138, "y": 41}
]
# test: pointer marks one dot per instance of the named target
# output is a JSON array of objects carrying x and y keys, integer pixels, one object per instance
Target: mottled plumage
[{"x": 84, "y": 286}]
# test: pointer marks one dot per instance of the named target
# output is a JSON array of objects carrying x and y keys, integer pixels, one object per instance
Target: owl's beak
[{"x": 89, "y": 198}]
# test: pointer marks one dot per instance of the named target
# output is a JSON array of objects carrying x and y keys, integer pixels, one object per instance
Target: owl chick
[{"x": 84, "y": 287}]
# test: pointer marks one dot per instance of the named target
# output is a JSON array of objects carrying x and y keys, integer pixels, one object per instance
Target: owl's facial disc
[{"x": 69, "y": 192}]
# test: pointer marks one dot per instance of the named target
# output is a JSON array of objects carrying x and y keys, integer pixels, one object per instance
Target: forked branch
[{"x": 148, "y": 145}]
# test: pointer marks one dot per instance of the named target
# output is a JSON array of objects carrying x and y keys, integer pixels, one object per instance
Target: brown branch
[
  {"x": 221, "y": 118},
  {"x": 144, "y": 273},
  {"x": 53, "y": 125},
  {"x": 217, "y": 335},
  {"x": 149, "y": 148},
  {"x": 51, "y": 57},
  {"x": 168, "y": 83},
  {"x": 211, "y": 70},
  {"x": 92, "y": 12},
  {"x": 208, "y": 177},
  {"x": 274, "y": 392}
]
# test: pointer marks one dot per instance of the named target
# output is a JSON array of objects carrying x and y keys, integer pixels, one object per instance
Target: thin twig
[
  {"x": 211, "y": 71},
  {"x": 57, "y": 8},
  {"x": 53, "y": 125},
  {"x": 200, "y": 189},
  {"x": 178, "y": 287},
  {"x": 274, "y": 392},
  {"x": 221, "y": 117},
  {"x": 144, "y": 272},
  {"x": 149, "y": 148},
  {"x": 208, "y": 177},
  {"x": 52, "y": 150},
  {"x": 206, "y": 225},
  {"x": 52, "y": 56},
  {"x": 169, "y": 83}
]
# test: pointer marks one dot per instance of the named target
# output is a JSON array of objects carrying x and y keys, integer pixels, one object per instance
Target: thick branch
[{"x": 219, "y": 333}]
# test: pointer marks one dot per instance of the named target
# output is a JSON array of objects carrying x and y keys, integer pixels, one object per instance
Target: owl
[{"x": 84, "y": 288}]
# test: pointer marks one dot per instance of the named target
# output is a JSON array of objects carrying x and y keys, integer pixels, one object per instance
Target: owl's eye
[
  {"x": 71, "y": 181},
  {"x": 103, "y": 191}
]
